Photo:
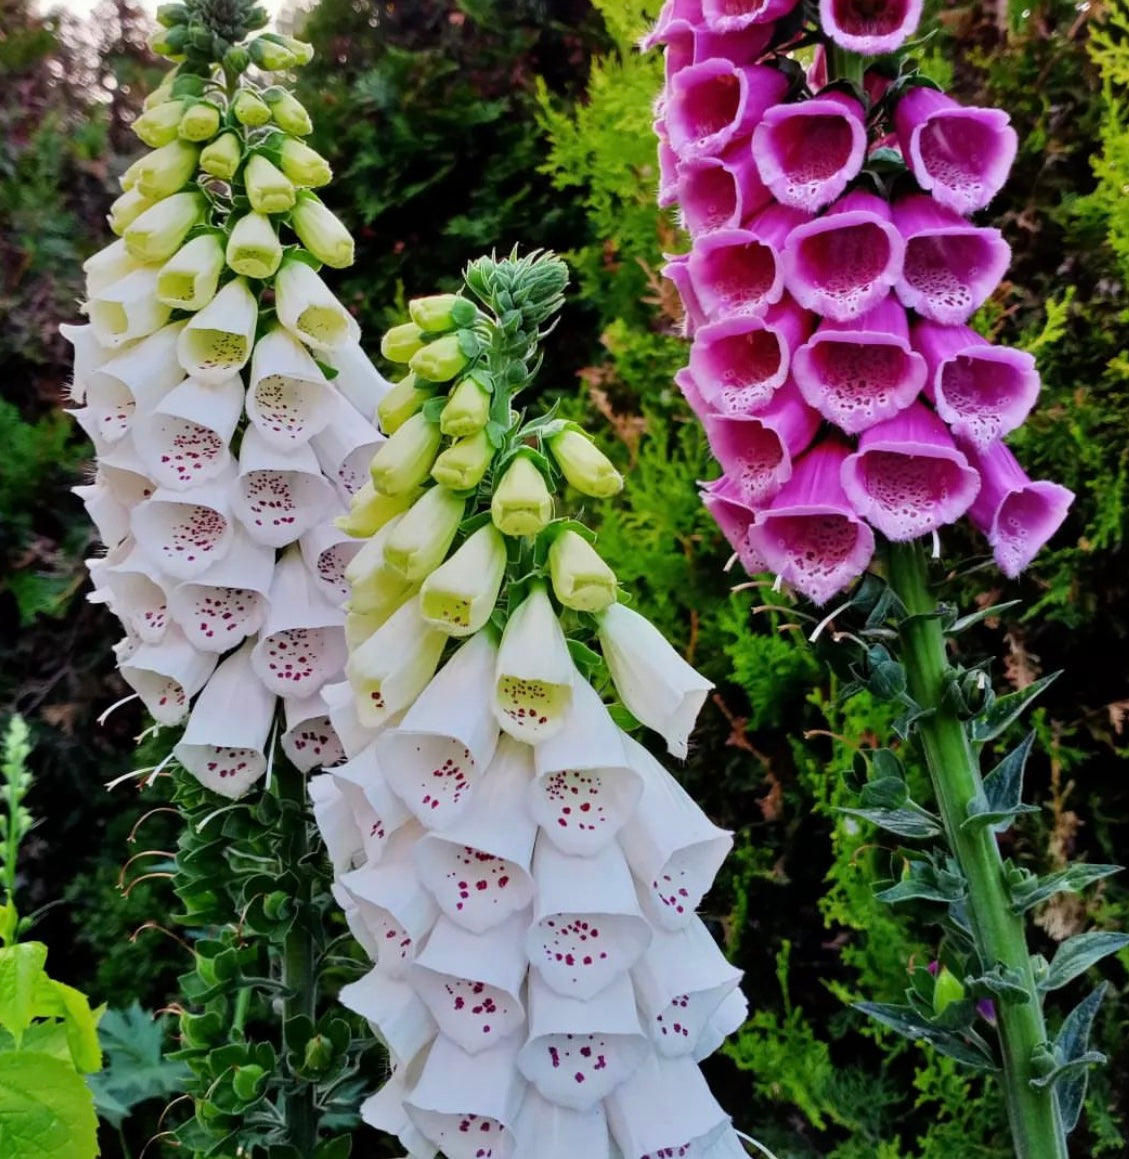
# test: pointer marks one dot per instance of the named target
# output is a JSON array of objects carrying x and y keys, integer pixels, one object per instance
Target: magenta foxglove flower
[
  {"x": 907, "y": 477},
  {"x": 961, "y": 156},
  {"x": 735, "y": 518},
  {"x": 810, "y": 534},
  {"x": 860, "y": 372},
  {"x": 868, "y": 28},
  {"x": 720, "y": 192},
  {"x": 951, "y": 267},
  {"x": 982, "y": 391},
  {"x": 674, "y": 12},
  {"x": 808, "y": 151},
  {"x": 668, "y": 167},
  {"x": 677, "y": 271},
  {"x": 1017, "y": 515},
  {"x": 688, "y": 44},
  {"x": 733, "y": 15},
  {"x": 845, "y": 262}
]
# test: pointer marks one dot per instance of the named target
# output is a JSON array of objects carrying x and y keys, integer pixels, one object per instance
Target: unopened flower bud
[
  {"x": 404, "y": 399},
  {"x": 467, "y": 409},
  {"x": 420, "y": 541},
  {"x": 127, "y": 209},
  {"x": 522, "y": 504},
  {"x": 302, "y": 52},
  {"x": 162, "y": 93},
  {"x": 440, "y": 360},
  {"x": 441, "y": 312},
  {"x": 370, "y": 510},
  {"x": 584, "y": 465},
  {"x": 158, "y": 126},
  {"x": 166, "y": 169},
  {"x": 270, "y": 56},
  {"x": 160, "y": 231},
  {"x": 460, "y": 594},
  {"x": 405, "y": 460},
  {"x": 169, "y": 15},
  {"x": 463, "y": 464},
  {"x": 581, "y": 579},
  {"x": 321, "y": 232},
  {"x": 188, "y": 280},
  {"x": 946, "y": 990},
  {"x": 222, "y": 156},
  {"x": 287, "y": 112},
  {"x": 253, "y": 249},
  {"x": 236, "y": 59},
  {"x": 268, "y": 188},
  {"x": 401, "y": 343},
  {"x": 250, "y": 109},
  {"x": 304, "y": 166},
  {"x": 170, "y": 42},
  {"x": 201, "y": 122}
]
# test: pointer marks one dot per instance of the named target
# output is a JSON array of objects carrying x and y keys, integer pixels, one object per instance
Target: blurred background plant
[{"x": 455, "y": 126}]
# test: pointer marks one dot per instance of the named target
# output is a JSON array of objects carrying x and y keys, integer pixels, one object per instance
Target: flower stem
[{"x": 999, "y": 932}]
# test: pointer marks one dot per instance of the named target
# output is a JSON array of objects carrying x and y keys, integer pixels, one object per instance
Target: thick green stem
[{"x": 998, "y": 931}]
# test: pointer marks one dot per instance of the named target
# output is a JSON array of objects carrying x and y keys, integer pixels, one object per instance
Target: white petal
[
  {"x": 357, "y": 379},
  {"x": 335, "y": 823},
  {"x": 110, "y": 518},
  {"x": 328, "y": 553},
  {"x": 353, "y": 917},
  {"x": 549, "y": 1131},
  {"x": 385, "y": 1111},
  {"x": 141, "y": 595},
  {"x": 355, "y": 737},
  {"x": 379, "y": 813},
  {"x": 133, "y": 383},
  {"x": 185, "y": 533},
  {"x": 398, "y": 1016},
  {"x": 216, "y": 343},
  {"x": 89, "y": 354},
  {"x": 107, "y": 266},
  {"x": 127, "y": 309},
  {"x": 345, "y": 446},
  {"x": 728, "y": 1018},
  {"x": 289, "y": 399},
  {"x": 167, "y": 675},
  {"x": 307, "y": 306},
  {"x": 309, "y": 740}
]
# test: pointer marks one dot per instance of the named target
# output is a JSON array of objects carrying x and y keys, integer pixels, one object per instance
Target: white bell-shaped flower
[
  {"x": 184, "y": 533},
  {"x": 406, "y": 1024},
  {"x": 328, "y": 553},
  {"x": 357, "y": 379},
  {"x": 336, "y": 824},
  {"x": 89, "y": 354},
  {"x": 307, "y": 307},
  {"x": 289, "y": 400},
  {"x": 345, "y": 447},
  {"x": 106, "y": 267},
  {"x": 167, "y": 675},
  {"x": 379, "y": 813},
  {"x": 127, "y": 309},
  {"x": 310, "y": 740},
  {"x": 216, "y": 342},
  {"x": 140, "y": 594},
  {"x": 460, "y": 595}
]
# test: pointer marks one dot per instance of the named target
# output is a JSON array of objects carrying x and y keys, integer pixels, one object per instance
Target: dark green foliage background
[{"x": 457, "y": 126}]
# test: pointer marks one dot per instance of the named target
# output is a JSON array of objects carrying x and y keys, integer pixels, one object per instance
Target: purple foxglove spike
[
  {"x": 861, "y": 372},
  {"x": 1017, "y": 515},
  {"x": 809, "y": 535},
  {"x": 688, "y": 44},
  {"x": 692, "y": 393},
  {"x": 712, "y": 105},
  {"x": 735, "y": 519},
  {"x": 738, "y": 363},
  {"x": 950, "y": 267},
  {"x": 677, "y": 271},
  {"x": 960, "y": 155},
  {"x": 756, "y": 451},
  {"x": 982, "y": 391},
  {"x": 867, "y": 28},
  {"x": 733, "y": 272},
  {"x": 907, "y": 477},
  {"x": 720, "y": 192},
  {"x": 807, "y": 152},
  {"x": 734, "y": 15},
  {"x": 673, "y": 12},
  {"x": 668, "y": 168},
  {"x": 843, "y": 263}
]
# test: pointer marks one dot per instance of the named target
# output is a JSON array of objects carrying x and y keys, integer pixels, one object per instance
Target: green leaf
[
  {"x": 21, "y": 968},
  {"x": 968, "y": 1048},
  {"x": 1037, "y": 890},
  {"x": 1003, "y": 792},
  {"x": 433, "y": 408},
  {"x": 994, "y": 720},
  {"x": 1071, "y": 1049},
  {"x": 1005, "y": 983},
  {"x": 884, "y": 793},
  {"x": 81, "y": 1025},
  {"x": 45, "y": 1109},
  {"x": 1076, "y": 955},
  {"x": 903, "y": 822},
  {"x": 340, "y": 1147},
  {"x": 972, "y": 618}
]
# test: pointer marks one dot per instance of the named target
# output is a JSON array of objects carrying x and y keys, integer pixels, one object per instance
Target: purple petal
[
  {"x": 673, "y": 12},
  {"x": 960, "y": 155},
  {"x": 1017, "y": 515},
  {"x": 907, "y": 478},
  {"x": 739, "y": 362},
  {"x": 688, "y": 44},
  {"x": 733, "y": 272},
  {"x": 731, "y": 15},
  {"x": 668, "y": 168},
  {"x": 735, "y": 519},
  {"x": 861, "y": 372},
  {"x": 868, "y": 28},
  {"x": 809, "y": 535},
  {"x": 714, "y": 104},
  {"x": 677, "y": 270},
  {"x": 844, "y": 263},
  {"x": 756, "y": 451},
  {"x": 807, "y": 152},
  {"x": 950, "y": 267},
  {"x": 981, "y": 391},
  {"x": 692, "y": 393},
  {"x": 720, "y": 192}
]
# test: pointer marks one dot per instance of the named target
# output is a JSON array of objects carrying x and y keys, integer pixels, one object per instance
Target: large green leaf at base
[{"x": 46, "y": 1111}]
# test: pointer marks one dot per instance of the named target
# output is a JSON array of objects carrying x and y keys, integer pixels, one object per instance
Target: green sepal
[
  {"x": 588, "y": 661},
  {"x": 1006, "y": 984},
  {"x": 966, "y": 622},
  {"x": 925, "y": 882}
]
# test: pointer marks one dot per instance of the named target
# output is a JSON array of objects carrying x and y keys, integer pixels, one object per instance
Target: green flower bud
[
  {"x": 268, "y": 188},
  {"x": 401, "y": 343},
  {"x": 188, "y": 280},
  {"x": 419, "y": 543},
  {"x": 247, "y": 1082},
  {"x": 160, "y": 231},
  {"x": 170, "y": 42},
  {"x": 463, "y": 464},
  {"x": 253, "y": 249},
  {"x": 169, "y": 15},
  {"x": 404, "y": 399},
  {"x": 441, "y": 312},
  {"x": 127, "y": 209},
  {"x": 161, "y": 95},
  {"x": 288, "y": 113},
  {"x": 186, "y": 84},
  {"x": 370, "y": 510},
  {"x": 584, "y": 465},
  {"x": 440, "y": 360},
  {"x": 158, "y": 126},
  {"x": 269, "y": 56},
  {"x": 459, "y": 596},
  {"x": 946, "y": 990},
  {"x": 304, "y": 166},
  {"x": 222, "y": 156},
  {"x": 201, "y": 122},
  {"x": 236, "y": 59},
  {"x": 467, "y": 410},
  {"x": 166, "y": 169},
  {"x": 522, "y": 504},
  {"x": 581, "y": 579},
  {"x": 321, "y": 232},
  {"x": 250, "y": 109},
  {"x": 302, "y": 52},
  {"x": 318, "y": 1054},
  {"x": 405, "y": 460},
  {"x": 257, "y": 17}
]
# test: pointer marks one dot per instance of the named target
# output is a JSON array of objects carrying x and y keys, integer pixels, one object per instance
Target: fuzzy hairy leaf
[
  {"x": 46, "y": 1111},
  {"x": 967, "y": 1048},
  {"x": 1076, "y": 955}
]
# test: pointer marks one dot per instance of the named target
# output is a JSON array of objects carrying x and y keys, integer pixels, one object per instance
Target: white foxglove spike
[
  {"x": 228, "y": 602},
  {"x": 167, "y": 675},
  {"x": 398, "y": 1016},
  {"x": 184, "y": 440},
  {"x": 357, "y": 379},
  {"x": 216, "y": 342},
  {"x": 585, "y": 788},
  {"x": 302, "y": 642},
  {"x": 393, "y": 666},
  {"x": 378, "y": 811},
  {"x": 680, "y": 982},
  {"x": 307, "y": 307},
  {"x": 472, "y": 983},
  {"x": 444, "y": 744},
  {"x": 467, "y": 1105},
  {"x": 335, "y": 823},
  {"x": 657, "y": 686},
  {"x": 110, "y": 518},
  {"x": 89, "y": 354},
  {"x": 309, "y": 741},
  {"x": 107, "y": 266},
  {"x": 278, "y": 497},
  {"x": 588, "y": 929},
  {"x": 127, "y": 309},
  {"x": 140, "y": 595},
  {"x": 184, "y": 533},
  {"x": 478, "y": 868},
  {"x": 345, "y": 446},
  {"x": 549, "y": 1131},
  {"x": 133, "y": 382},
  {"x": 328, "y": 553},
  {"x": 365, "y": 939},
  {"x": 224, "y": 744},
  {"x": 577, "y": 1052},
  {"x": 673, "y": 848},
  {"x": 289, "y": 400},
  {"x": 385, "y": 1111},
  {"x": 535, "y": 673},
  {"x": 727, "y": 1019},
  {"x": 354, "y": 736},
  {"x": 665, "y": 1107}
]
